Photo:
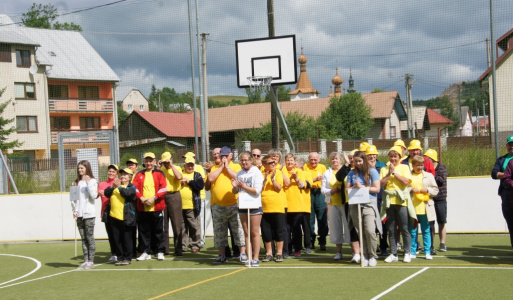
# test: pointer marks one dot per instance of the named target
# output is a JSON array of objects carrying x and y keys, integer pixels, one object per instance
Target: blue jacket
[{"x": 498, "y": 168}]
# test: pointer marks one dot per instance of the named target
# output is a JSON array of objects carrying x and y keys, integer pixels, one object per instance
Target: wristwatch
[{"x": 393, "y": 173}]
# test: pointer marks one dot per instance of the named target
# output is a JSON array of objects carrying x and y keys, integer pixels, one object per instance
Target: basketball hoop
[{"x": 259, "y": 83}]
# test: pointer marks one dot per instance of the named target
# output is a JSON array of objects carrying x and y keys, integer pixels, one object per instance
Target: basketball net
[{"x": 259, "y": 83}]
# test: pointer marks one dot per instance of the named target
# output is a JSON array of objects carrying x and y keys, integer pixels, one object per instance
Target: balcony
[
  {"x": 88, "y": 136},
  {"x": 77, "y": 105}
]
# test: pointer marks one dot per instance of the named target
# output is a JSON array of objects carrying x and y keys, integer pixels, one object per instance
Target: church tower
[{"x": 304, "y": 89}]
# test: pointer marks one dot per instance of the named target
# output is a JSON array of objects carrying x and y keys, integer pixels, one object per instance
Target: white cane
[
  {"x": 361, "y": 235},
  {"x": 75, "y": 234},
  {"x": 248, "y": 246}
]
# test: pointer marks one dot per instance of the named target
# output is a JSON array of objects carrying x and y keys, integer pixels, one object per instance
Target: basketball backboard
[{"x": 274, "y": 57}]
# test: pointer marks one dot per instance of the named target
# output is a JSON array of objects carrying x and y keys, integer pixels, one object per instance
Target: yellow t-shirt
[
  {"x": 186, "y": 192},
  {"x": 295, "y": 201},
  {"x": 173, "y": 184},
  {"x": 335, "y": 199},
  {"x": 117, "y": 204},
  {"x": 418, "y": 203},
  {"x": 199, "y": 169},
  {"x": 314, "y": 172},
  {"x": 272, "y": 201},
  {"x": 221, "y": 189},
  {"x": 149, "y": 190},
  {"x": 393, "y": 184},
  {"x": 306, "y": 193}
]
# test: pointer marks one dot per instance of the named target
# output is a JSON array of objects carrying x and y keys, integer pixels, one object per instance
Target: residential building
[
  {"x": 135, "y": 100},
  {"x": 420, "y": 122},
  {"x": 437, "y": 121},
  {"x": 465, "y": 127}
]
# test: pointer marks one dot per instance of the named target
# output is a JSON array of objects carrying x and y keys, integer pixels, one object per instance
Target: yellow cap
[
  {"x": 189, "y": 154},
  {"x": 400, "y": 143},
  {"x": 431, "y": 154},
  {"x": 414, "y": 145},
  {"x": 149, "y": 154},
  {"x": 132, "y": 160},
  {"x": 371, "y": 150},
  {"x": 113, "y": 166},
  {"x": 189, "y": 160},
  {"x": 422, "y": 196},
  {"x": 166, "y": 156},
  {"x": 364, "y": 146},
  {"x": 397, "y": 149},
  {"x": 353, "y": 151},
  {"x": 127, "y": 170}
]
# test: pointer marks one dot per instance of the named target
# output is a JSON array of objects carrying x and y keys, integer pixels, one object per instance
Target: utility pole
[
  {"x": 409, "y": 105},
  {"x": 478, "y": 125},
  {"x": 204, "y": 126},
  {"x": 275, "y": 127},
  {"x": 459, "y": 104},
  {"x": 488, "y": 58},
  {"x": 484, "y": 115}
]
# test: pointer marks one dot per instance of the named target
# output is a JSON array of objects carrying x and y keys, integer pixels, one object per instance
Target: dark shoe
[
  {"x": 279, "y": 258},
  {"x": 220, "y": 259},
  {"x": 384, "y": 252},
  {"x": 433, "y": 251},
  {"x": 178, "y": 253},
  {"x": 322, "y": 247},
  {"x": 443, "y": 248},
  {"x": 267, "y": 258}
]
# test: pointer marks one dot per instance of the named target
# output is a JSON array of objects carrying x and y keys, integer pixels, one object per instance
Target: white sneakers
[
  {"x": 338, "y": 256},
  {"x": 391, "y": 258},
  {"x": 160, "y": 256},
  {"x": 373, "y": 262},
  {"x": 407, "y": 258},
  {"x": 413, "y": 256},
  {"x": 356, "y": 258},
  {"x": 144, "y": 256},
  {"x": 429, "y": 257},
  {"x": 113, "y": 259}
]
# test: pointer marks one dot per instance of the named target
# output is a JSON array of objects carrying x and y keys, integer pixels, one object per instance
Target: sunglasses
[
  {"x": 256, "y": 155},
  {"x": 272, "y": 162}
]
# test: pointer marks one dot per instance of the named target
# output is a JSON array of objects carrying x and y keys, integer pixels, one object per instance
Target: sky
[{"x": 147, "y": 41}]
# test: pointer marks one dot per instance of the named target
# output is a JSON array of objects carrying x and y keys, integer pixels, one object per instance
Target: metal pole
[
  {"x": 494, "y": 89},
  {"x": 275, "y": 126},
  {"x": 459, "y": 104},
  {"x": 484, "y": 118},
  {"x": 205, "y": 96},
  {"x": 202, "y": 102},
  {"x": 193, "y": 76},
  {"x": 8, "y": 172}
]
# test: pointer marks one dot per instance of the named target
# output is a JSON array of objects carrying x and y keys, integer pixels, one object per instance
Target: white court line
[
  {"x": 398, "y": 284},
  {"x": 38, "y": 265},
  {"x": 331, "y": 257}
]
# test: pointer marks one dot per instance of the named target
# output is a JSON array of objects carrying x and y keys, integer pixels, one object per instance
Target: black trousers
[
  {"x": 122, "y": 239},
  {"x": 151, "y": 231},
  {"x": 294, "y": 220}
]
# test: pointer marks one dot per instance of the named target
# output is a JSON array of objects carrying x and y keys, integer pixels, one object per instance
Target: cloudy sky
[{"x": 147, "y": 41}]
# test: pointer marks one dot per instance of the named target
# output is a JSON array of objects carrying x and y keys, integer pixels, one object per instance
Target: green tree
[
  {"x": 254, "y": 96},
  {"x": 347, "y": 117},
  {"x": 42, "y": 16},
  {"x": 446, "y": 109},
  {"x": 282, "y": 93},
  {"x": 5, "y": 132},
  {"x": 122, "y": 115},
  {"x": 376, "y": 90}
]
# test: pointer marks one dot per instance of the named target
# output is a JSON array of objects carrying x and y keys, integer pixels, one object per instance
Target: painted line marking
[
  {"x": 400, "y": 283},
  {"x": 198, "y": 283},
  {"x": 38, "y": 266}
]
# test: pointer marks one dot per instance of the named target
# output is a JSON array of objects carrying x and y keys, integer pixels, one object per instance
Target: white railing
[{"x": 101, "y": 105}]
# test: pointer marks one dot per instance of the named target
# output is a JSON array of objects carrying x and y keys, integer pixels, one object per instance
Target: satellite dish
[{"x": 33, "y": 69}]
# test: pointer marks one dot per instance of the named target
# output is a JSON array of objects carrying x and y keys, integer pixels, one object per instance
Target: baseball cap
[
  {"x": 414, "y": 144},
  {"x": 371, "y": 150},
  {"x": 510, "y": 139},
  {"x": 353, "y": 152},
  {"x": 400, "y": 143},
  {"x": 189, "y": 154},
  {"x": 149, "y": 154},
  {"x": 397, "y": 149},
  {"x": 364, "y": 146},
  {"x": 126, "y": 170},
  {"x": 132, "y": 160},
  {"x": 225, "y": 151},
  {"x": 431, "y": 154},
  {"x": 113, "y": 166},
  {"x": 166, "y": 156},
  {"x": 189, "y": 160}
]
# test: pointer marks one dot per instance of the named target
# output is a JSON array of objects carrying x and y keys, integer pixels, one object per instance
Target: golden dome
[
  {"x": 337, "y": 80},
  {"x": 302, "y": 59}
]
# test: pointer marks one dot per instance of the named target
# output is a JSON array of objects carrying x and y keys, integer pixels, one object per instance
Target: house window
[
  {"x": 5, "y": 53},
  {"x": 89, "y": 123},
  {"x": 130, "y": 107},
  {"x": 141, "y": 107},
  {"x": 26, "y": 124},
  {"x": 59, "y": 123},
  {"x": 88, "y": 92},
  {"x": 24, "y": 90},
  {"x": 393, "y": 132},
  {"x": 23, "y": 58},
  {"x": 58, "y": 91}
]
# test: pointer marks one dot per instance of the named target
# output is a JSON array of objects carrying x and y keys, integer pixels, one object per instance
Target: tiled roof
[
  {"x": 171, "y": 124},
  {"x": 257, "y": 114},
  {"x": 436, "y": 118}
]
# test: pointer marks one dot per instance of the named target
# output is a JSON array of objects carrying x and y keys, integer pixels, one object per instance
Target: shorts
[
  {"x": 252, "y": 211},
  {"x": 441, "y": 212}
]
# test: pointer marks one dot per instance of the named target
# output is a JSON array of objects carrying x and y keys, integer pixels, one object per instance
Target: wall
[{"x": 48, "y": 216}]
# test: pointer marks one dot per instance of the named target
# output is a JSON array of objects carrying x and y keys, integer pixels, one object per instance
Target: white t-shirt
[{"x": 252, "y": 178}]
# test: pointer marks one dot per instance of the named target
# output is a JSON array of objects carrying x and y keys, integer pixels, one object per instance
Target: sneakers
[
  {"x": 373, "y": 262},
  {"x": 413, "y": 256},
  {"x": 433, "y": 251},
  {"x": 365, "y": 262},
  {"x": 220, "y": 259},
  {"x": 322, "y": 247},
  {"x": 113, "y": 259},
  {"x": 338, "y": 256},
  {"x": 297, "y": 254},
  {"x": 279, "y": 258},
  {"x": 407, "y": 258},
  {"x": 309, "y": 250},
  {"x": 391, "y": 258},
  {"x": 384, "y": 252},
  {"x": 443, "y": 248},
  {"x": 195, "y": 249},
  {"x": 123, "y": 262},
  {"x": 429, "y": 257},
  {"x": 286, "y": 255},
  {"x": 267, "y": 258},
  {"x": 89, "y": 265},
  {"x": 82, "y": 266},
  {"x": 144, "y": 256},
  {"x": 243, "y": 258},
  {"x": 160, "y": 256},
  {"x": 356, "y": 258},
  {"x": 253, "y": 263}
]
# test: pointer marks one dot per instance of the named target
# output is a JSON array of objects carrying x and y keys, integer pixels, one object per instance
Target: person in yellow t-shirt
[
  {"x": 395, "y": 178},
  {"x": 307, "y": 207},
  {"x": 224, "y": 205},
  {"x": 199, "y": 168},
  {"x": 173, "y": 210},
  {"x": 318, "y": 204},
  {"x": 424, "y": 187}
]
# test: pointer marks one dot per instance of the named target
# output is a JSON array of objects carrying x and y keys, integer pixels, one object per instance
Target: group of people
[{"x": 293, "y": 204}]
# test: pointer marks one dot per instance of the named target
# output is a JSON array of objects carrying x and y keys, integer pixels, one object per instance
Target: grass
[{"x": 476, "y": 266}]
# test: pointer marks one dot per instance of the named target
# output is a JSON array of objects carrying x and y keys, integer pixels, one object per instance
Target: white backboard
[{"x": 274, "y": 57}]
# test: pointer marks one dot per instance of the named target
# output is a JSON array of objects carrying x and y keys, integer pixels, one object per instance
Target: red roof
[
  {"x": 172, "y": 124},
  {"x": 436, "y": 118},
  {"x": 503, "y": 43},
  {"x": 482, "y": 122}
]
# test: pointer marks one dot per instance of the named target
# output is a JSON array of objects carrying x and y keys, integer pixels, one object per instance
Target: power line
[
  {"x": 400, "y": 80},
  {"x": 136, "y": 33}
]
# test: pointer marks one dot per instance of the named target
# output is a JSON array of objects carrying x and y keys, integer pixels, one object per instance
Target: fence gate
[{"x": 98, "y": 147}]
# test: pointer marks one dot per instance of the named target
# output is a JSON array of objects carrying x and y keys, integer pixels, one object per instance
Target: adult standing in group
[
  {"x": 203, "y": 195},
  {"x": 318, "y": 211},
  {"x": 84, "y": 211},
  {"x": 250, "y": 182},
  {"x": 224, "y": 205},
  {"x": 440, "y": 199},
  {"x": 305, "y": 193},
  {"x": 414, "y": 149},
  {"x": 505, "y": 192},
  {"x": 334, "y": 192},
  {"x": 397, "y": 205},
  {"x": 402, "y": 146},
  {"x": 112, "y": 173},
  {"x": 151, "y": 187},
  {"x": 257, "y": 156},
  {"x": 173, "y": 199},
  {"x": 372, "y": 158},
  {"x": 133, "y": 165}
]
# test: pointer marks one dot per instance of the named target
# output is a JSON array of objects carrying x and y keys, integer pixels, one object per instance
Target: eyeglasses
[
  {"x": 256, "y": 155},
  {"x": 272, "y": 162}
]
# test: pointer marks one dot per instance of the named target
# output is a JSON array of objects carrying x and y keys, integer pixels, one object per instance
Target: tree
[
  {"x": 347, "y": 117},
  {"x": 122, "y": 115},
  {"x": 42, "y": 16},
  {"x": 282, "y": 93},
  {"x": 5, "y": 132},
  {"x": 254, "y": 96},
  {"x": 446, "y": 109}
]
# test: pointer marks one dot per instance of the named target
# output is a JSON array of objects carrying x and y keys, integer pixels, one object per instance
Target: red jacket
[{"x": 160, "y": 189}]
